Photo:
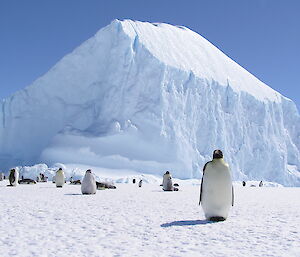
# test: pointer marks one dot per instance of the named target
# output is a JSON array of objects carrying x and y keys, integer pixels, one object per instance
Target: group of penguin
[
  {"x": 216, "y": 191},
  {"x": 88, "y": 184}
]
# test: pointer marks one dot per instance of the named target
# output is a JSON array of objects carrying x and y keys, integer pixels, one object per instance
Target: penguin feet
[{"x": 217, "y": 219}]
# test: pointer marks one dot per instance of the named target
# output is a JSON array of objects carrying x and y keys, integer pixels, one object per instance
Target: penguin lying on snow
[
  {"x": 13, "y": 177},
  {"x": 88, "y": 185},
  {"x": 75, "y": 182},
  {"x": 27, "y": 181},
  {"x": 216, "y": 193},
  {"x": 105, "y": 185}
]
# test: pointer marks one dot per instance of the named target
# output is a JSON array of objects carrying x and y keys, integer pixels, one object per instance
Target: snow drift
[{"x": 149, "y": 98}]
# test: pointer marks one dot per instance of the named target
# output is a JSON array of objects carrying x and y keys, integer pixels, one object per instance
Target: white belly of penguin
[
  {"x": 88, "y": 185},
  {"x": 217, "y": 191},
  {"x": 60, "y": 179}
]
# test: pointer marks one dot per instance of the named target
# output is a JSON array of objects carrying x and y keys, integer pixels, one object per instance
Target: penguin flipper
[
  {"x": 205, "y": 166},
  {"x": 201, "y": 191},
  {"x": 232, "y": 196},
  {"x": 202, "y": 181}
]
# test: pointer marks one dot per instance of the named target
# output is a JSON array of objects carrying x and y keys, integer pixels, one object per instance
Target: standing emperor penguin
[
  {"x": 140, "y": 183},
  {"x": 60, "y": 178},
  {"x": 216, "y": 193},
  {"x": 13, "y": 177},
  {"x": 88, "y": 185},
  {"x": 167, "y": 182}
]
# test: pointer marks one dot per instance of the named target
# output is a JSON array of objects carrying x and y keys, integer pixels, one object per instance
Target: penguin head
[
  {"x": 59, "y": 170},
  {"x": 167, "y": 172},
  {"x": 88, "y": 171},
  {"x": 217, "y": 154}
]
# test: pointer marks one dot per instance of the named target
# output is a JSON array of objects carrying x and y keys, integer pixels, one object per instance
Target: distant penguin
[
  {"x": 43, "y": 178},
  {"x": 167, "y": 182},
  {"x": 244, "y": 183},
  {"x": 88, "y": 185},
  {"x": 27, "y": 181},
  {"x": 75, "y": 182},
  {"x": 1, "y": 176},
  {"x": 260, "y": 184},
  {"x": 60, "y": 178},
  {"x": 13, "y": 177},
  {"x": 216, "y": 193},
  {"x": 105, "y": 185},
  {"x": 133, "y": 181},
  {"x": 140, "y": 183}
]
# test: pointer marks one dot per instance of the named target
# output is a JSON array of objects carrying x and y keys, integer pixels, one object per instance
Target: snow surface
[
  {"x": 149, "y": 98},
  {"x": 42, "y": 220}
]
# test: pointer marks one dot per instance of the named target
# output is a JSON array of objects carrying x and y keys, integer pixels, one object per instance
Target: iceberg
[{"x": 151, "y": 97}]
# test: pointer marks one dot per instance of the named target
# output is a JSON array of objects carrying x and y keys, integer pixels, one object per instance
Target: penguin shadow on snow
[
  {"x": 47, "y": 187},
  {"x": 186, "y": 223},
  {"x": 74, "y": 194}
]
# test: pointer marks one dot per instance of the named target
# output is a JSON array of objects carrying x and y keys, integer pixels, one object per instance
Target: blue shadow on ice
[{"x": 186, "y": 223}]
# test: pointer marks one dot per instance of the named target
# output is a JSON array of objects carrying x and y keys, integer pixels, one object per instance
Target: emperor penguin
[
  {"x": 13, "y": 177},
  {"x": 140, "y": 183},
  {"x": 60, "y": 178},
  {"x": 167, "y": 182},
  {"x": 1, "y": 176},
  {"x": 88, "y": 185},
  {"x": 216, "y": 193}
]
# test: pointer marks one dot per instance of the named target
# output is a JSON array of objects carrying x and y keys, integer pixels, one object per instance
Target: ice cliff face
[{"x": 152, "y": 97}]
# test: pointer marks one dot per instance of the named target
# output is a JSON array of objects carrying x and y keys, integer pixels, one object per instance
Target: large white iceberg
[{"x": 149, "y": 98}]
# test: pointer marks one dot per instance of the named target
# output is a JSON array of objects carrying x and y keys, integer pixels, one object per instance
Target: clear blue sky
[{"x": 261, "y": 35}]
